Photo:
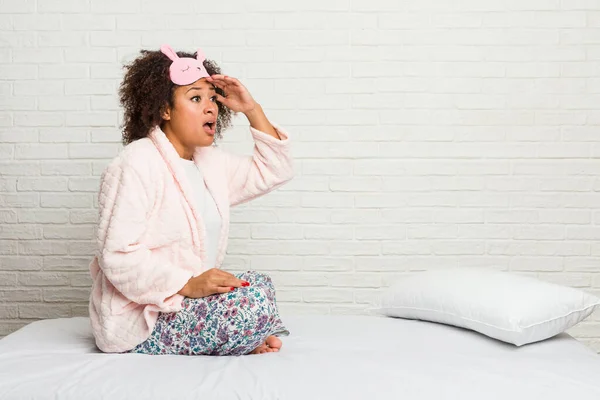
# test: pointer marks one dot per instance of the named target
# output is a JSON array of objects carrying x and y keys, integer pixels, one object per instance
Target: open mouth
[{"x": 209, "y": 127}]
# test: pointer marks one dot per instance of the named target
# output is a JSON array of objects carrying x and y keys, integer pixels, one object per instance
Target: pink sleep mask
[{"x": 185, "y": 70}]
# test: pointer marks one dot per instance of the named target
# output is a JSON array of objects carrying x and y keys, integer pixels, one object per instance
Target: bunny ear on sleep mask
[{"x": 185, "y": 70}]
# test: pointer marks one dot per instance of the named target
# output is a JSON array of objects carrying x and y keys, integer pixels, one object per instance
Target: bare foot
[{"x": 272, "y": 344}]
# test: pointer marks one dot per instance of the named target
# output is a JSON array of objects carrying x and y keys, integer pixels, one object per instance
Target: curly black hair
[{"x": 146, "y": 88}]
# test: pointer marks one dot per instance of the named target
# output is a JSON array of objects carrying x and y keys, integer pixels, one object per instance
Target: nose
[{"x": 210, "y": 108}]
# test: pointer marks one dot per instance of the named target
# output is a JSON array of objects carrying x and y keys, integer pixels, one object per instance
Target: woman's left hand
[{"x": 237, "y": 98}]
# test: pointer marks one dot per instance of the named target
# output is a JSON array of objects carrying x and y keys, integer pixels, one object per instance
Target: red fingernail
[
  {"x": 231, "y": 289},
  {"x": 246, "y": 284}
]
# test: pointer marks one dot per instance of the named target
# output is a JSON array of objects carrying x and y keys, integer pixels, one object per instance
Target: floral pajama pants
[{"x": 233, "y": 323}]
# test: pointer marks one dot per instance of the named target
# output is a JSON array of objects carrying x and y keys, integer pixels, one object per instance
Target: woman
[{"x": 164, "y": 216}]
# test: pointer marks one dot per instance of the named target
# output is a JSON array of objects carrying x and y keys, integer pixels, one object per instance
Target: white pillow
[{"x": 505, "y": 306}]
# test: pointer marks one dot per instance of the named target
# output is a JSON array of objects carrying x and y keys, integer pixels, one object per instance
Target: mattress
[{"x": 325, "y": 357}]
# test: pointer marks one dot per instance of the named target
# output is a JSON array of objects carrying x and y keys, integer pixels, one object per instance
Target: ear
[
  {"x": 165, "y": 112},
  {"x": 200, "y": 55},
  {"x": 169, "y": 52}
]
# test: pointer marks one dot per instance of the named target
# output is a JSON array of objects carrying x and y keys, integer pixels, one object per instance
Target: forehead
[{"x": 200, "y": 85}]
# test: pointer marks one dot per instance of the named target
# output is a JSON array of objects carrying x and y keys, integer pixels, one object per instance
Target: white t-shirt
[{"x": 207, "y": 208}]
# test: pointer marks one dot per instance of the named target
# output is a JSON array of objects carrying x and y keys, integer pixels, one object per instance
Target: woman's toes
[
  {"x": 274, "y": 342},
  {"x": 260, "y": 349},
  {"x": 271, "y": 345}
]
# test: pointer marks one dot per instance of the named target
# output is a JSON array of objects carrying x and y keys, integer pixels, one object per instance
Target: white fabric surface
[
  {"x": 504, "y": 305},
  {"x": 207, "y": 207},
  {"x": 325, "y": 357}
]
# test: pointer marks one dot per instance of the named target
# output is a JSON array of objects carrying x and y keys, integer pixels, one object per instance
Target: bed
[{"x": 326, "y": 357}]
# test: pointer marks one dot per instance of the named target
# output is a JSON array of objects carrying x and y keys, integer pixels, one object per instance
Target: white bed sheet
[{"x": 325, "y": 357}]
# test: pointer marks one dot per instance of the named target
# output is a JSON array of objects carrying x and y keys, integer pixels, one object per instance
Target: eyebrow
[{"x": 199, "y": 88}]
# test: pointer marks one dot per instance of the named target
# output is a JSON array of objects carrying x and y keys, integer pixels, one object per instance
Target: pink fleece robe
[{"x": 150, "y": 236}]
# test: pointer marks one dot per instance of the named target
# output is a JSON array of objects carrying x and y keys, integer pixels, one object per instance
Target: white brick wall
[{"x": 428, "y": 134}]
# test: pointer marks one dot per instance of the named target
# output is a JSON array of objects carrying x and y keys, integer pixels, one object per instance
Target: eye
[
  {"x": 214, "y": 98},
  {"x": 195, "y": 97},
  {"x": 183, "y": 70}
]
